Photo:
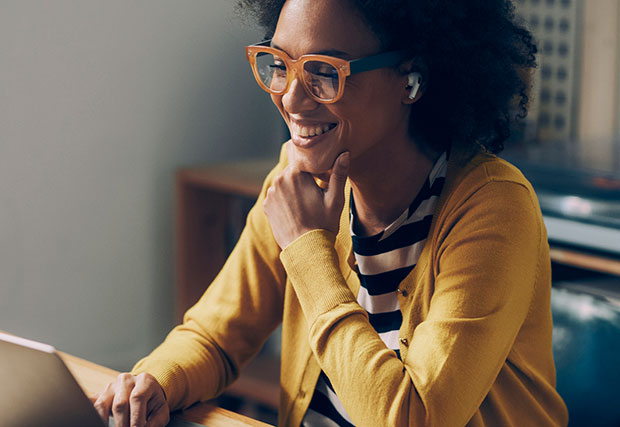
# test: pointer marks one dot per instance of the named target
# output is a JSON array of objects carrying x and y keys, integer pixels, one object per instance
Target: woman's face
[{"x": 372, "y": 115}]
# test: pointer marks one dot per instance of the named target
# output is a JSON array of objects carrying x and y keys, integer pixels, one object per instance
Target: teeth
[{"x": 309, "y": 131}]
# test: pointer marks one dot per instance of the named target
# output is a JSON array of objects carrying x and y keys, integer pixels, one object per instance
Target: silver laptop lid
[{"x": 37, "y": 389}]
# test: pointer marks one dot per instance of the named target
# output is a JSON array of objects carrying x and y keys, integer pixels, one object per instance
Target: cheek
[
  {"x": 381, "y": 107},
  {"x": 366, "y": 123},
  {"x": 353, "y": 120}
]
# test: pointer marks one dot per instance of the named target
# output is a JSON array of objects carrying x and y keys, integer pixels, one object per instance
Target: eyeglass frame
[{"x": 343, "y": 67}]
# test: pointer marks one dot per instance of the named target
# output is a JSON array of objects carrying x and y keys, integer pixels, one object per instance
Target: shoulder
[
  {"x": 486, "y": 193},
  {"x": 489, "y": 211},
  {"x": 482, "y": 172}
]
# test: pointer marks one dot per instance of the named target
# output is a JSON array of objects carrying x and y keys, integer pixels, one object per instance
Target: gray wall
[{"x": 100, "y": 101}]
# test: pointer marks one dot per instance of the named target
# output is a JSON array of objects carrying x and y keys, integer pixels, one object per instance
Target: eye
[
  {"x": 326, "y": 71},
  {"x": 278, "y": 66},
  {"x": 320, "y": 70},
  {"x": 326, "y": 75}
]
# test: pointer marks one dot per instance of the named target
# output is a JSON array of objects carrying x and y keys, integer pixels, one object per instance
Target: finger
[
  {"x": 291, "y": 155},
  {"x": 138, "y": 402},
  {"x": 338, "y": 178},
  {"x": 120, "y": 404},
  {"x": 103, "y": 402},
  {"x": 158, "y": 417},
  {"x": 340, "y": 169}
]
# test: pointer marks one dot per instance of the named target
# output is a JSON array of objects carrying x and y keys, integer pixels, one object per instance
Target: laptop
[{"x": 37, "y": 389}]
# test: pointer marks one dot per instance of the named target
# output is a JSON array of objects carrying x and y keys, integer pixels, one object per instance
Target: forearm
[
  {"x": 199, "y": 372},
  {"x": 368, "y": 378}
]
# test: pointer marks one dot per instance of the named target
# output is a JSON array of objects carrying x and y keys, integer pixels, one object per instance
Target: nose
[{"x": 296, "y": 99}]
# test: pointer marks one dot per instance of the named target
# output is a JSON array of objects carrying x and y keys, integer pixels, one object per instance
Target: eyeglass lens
[{"x": 319, "y": 77}]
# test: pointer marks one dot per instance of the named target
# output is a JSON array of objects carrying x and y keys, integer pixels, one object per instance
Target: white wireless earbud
[{"x": 414, "y": 81}]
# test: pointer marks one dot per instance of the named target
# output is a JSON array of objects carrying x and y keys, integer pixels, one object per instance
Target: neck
[{"x": 385, "y": 184}]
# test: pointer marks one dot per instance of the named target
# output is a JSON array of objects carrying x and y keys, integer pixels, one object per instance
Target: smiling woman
[{"x": 412, "y": 284}]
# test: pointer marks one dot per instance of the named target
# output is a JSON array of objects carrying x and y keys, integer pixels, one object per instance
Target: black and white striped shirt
[{"x": 383, "y": 261}]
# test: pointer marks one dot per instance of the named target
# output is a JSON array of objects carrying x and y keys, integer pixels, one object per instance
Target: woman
[{"x": 408, "y": 265}]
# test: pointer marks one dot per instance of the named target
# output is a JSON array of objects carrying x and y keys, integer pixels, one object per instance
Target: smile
[{"x": 310, "y": 131}]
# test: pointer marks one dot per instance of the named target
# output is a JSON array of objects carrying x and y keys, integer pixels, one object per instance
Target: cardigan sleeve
[
  {"x": 229, "y": 323},
  {"x": 485, "y": 268}
]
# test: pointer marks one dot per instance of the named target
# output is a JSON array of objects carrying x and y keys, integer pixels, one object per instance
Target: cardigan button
[
  {"x": 302, "y": 394},
  {"x": 404, "y": 341},
  {"x": 402, "y": 292}
]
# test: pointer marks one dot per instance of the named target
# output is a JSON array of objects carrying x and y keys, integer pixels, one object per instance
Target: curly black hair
[{"x": 477, "y": 54}]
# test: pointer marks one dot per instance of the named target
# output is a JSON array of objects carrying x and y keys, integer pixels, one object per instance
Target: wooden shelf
[
  {"x": 240, "y": 178},
  {"x": 206, "y": 209}
]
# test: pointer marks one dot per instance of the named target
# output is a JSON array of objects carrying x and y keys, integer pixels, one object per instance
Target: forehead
[{"x": 311, "y": 26}]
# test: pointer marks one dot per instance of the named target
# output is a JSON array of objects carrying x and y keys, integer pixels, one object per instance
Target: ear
[{"x": 413, "y": 73}]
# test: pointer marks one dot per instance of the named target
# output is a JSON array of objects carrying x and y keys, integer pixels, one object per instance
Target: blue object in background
[{"x": 586, "y": 347}]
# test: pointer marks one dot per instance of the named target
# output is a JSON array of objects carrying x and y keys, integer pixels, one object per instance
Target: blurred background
[
  {"x": 109, "y": 110},
  {"x": 100, "y": 102}
]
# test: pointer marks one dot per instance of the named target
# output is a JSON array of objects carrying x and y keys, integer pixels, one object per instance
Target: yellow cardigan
[{"x": 475, "y": 340}]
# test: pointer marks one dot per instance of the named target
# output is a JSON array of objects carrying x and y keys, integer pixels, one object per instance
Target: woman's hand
[
  {"x": 133, "y": 401},
  {"x": 295, "y": 204}
]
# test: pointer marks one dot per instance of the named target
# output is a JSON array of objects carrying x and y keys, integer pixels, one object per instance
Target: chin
[
  {"x": 314, "y": 166},
  {"x": 316, "y": 155},
  {"x": 313, "y": 169}
]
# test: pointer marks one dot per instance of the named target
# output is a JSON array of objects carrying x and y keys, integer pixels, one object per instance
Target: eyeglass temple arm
[
  {"x": 380, "y": 60},
  {"x": 264, "y": 43}
]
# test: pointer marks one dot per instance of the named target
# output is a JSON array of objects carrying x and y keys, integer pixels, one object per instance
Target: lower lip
[{"x": 310, "y": 141}]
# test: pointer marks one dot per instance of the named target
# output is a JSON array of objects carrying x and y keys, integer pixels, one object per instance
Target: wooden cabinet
[
  {"x": 211, "y": 207},
  {"x": 209, "y": 216}
]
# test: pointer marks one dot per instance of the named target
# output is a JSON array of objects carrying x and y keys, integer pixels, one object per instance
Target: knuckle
[
  {"x": 140, "y": 378},
  {"x": 146, "y": 378},
  {"x": 137, "y": 395},
  {"x": 125, "y": 377},
  {"x": 120, "y": 406}
]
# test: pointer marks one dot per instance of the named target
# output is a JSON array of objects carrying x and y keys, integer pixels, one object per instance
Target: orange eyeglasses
[{"x": 323, "y": 77}]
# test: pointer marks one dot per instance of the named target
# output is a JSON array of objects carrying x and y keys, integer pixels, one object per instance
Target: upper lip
[{"x": 311, "y": 122}]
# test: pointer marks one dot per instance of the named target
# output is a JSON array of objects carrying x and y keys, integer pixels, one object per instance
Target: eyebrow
[{"x": 328, "y": 52}]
